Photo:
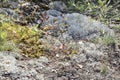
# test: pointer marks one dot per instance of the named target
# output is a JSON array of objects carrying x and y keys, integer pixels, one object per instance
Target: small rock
[
  {"x": 9, "y": 12},
  {"x": 40, "y": 77},
  {"x": 79, "y": 58},
  {"x": 43, "y": 59},
  {"x": 87, "y": 45},
  {"x": 54, "y": 13},
  {"x": 57, "y": 55},
  {"x": 58, "y": 5},
  {"x": 7, "y": 64},
  {"x": 95, "y": 66},
  {"x": 95, "y": 55}
]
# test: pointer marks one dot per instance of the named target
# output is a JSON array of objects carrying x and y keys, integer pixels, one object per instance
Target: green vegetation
[
  {"x": 104, "y": 69},
  {"x": 23, "y": 37},
  {"x": 2, "y": 36},
  {"x": 105, "y": 40},
  {"x": 95, "y": 40},
  {"x": 117, "y": 28},
  {"x": 100, "y": 9}
]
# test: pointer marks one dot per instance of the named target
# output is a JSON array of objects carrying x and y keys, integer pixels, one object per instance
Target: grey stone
[
  {"x": 91, "y": 51},
  {"x": 43, "y": 59},
  {"x": 54, "y": 13},
  {"x": 58, "y": 5},
  {"x": 93, "y": 66},
  {"x": 13, "y": 4},
  {"x": 95, "y": 55},
  {"x": 87, "y": 46},
  {"x": 9, "y": 12},
  {"x": 40, "y": 77},
  {"x": 7, "y": 64},
  {"x": 79, "y": 58},
  {"x": 13, "y": 54}
]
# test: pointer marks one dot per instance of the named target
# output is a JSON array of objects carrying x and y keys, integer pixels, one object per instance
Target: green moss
[
  {"x": 25, "y": 38},
  {"x": 117, "y": 28},
  {"x": 7, "y": 47},
  {"x": 95, "y": 40},
  {"x": 104, "y": 69},
  {"x": 107, "y": 40}
]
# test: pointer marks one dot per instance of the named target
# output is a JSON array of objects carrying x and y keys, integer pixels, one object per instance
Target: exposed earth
[{"x": 78, "y": 49}]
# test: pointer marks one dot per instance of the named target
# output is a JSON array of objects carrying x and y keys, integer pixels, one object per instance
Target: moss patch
[{"x": 24, "y": 37}]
